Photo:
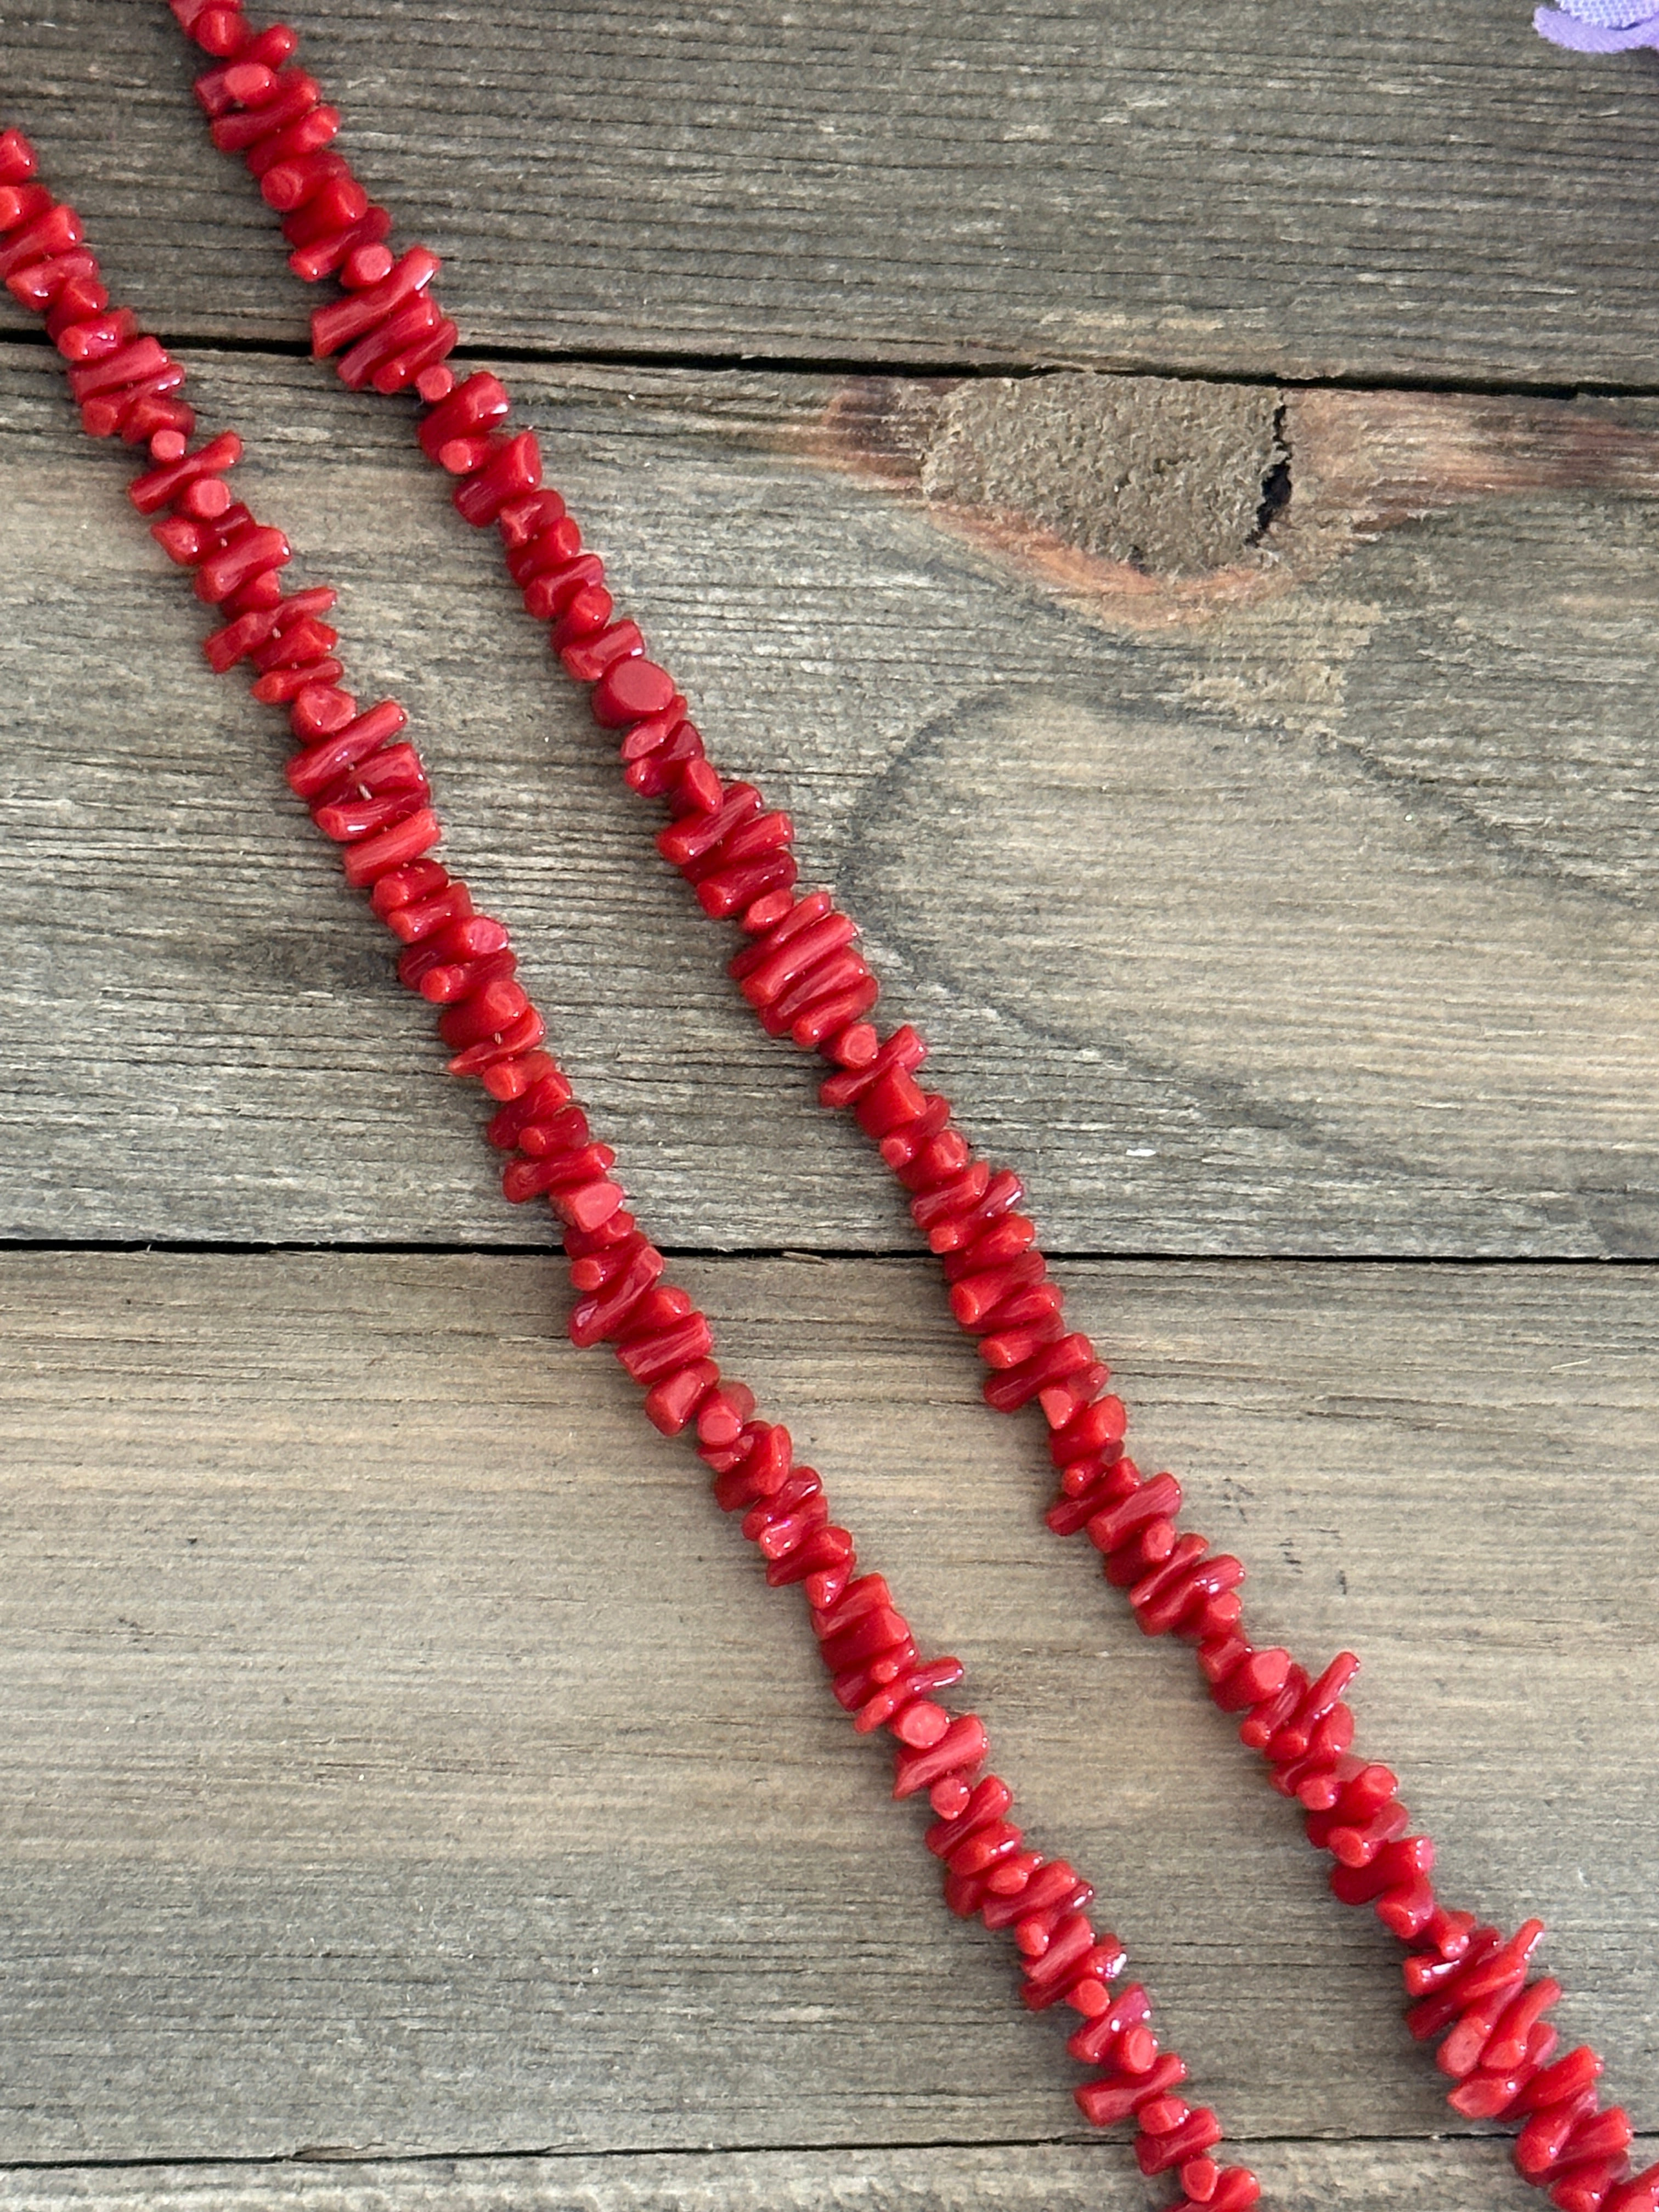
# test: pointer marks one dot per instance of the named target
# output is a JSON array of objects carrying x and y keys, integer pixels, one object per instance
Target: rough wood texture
[
  {"x": 1307, "y": 2177},
  {"x": 1313, "y": 916},
  {"x": 401, "y": 1753},
  {"x": 1297, "y": 189}
]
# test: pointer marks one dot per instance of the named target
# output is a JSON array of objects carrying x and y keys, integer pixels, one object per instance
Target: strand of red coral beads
[
  {"x": 366, "y": 788},
  {"x": 805, "y": 978}
]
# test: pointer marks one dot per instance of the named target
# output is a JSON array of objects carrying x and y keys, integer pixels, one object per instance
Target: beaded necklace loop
[{"x": 364, "y": 784}]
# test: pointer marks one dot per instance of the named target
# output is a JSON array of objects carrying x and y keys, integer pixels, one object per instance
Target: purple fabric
[{"x": 1599, "y": 27}]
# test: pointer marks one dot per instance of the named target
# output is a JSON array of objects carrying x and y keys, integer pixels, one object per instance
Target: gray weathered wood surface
[
  {"x": 1299, "y": 901},
  {"x": 443, "y": 1779},
  {"x": 1281, "y": 187},
  {"x": 1248, "y": 784}
]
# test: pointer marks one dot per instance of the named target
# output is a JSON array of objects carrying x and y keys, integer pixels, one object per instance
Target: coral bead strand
[
  {"x": 366, "y": 788},
  {"x": 805, "y": 978}
]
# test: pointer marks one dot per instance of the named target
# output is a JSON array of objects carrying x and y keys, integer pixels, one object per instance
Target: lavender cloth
[{"x": 1601, "y": 27}]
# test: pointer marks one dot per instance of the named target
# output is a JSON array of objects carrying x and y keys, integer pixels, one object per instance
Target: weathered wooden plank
[
  {"x": 1302, "y": 902},
  {"x": 1304, "y": 189},
  {"x": 382, "y": 1772},
  {"x": 1053, "y": 2178}
]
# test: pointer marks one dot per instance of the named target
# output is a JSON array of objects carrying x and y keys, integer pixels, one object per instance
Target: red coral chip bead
[
  {"x": 1543, "y": 2141},
  {"x": 549, "y": 592},
  {"x": 316, "y": 195},
  {"x": 869, "y": 1594},
  {"x": 154, "y": 490},
  {"x": 477, "y": 405},
  {"x": 721, "y": 1416},
  {"x": 528, "y": 1031},
  {"x": 277, "y": 688},
  {"x": 507, "y": 1080},
  {"x": 513, "y": 468},
  {"x": 221, "y": 573},
  {"x": 367, "y": 264},
  {"x": 692, "y": 785},
  {"x": 58, "y": 231},
  {"x": 1198, "y": 2130},
  {"x": 283, "y": 99},
  {"x": 411, "y": 887},
  {"x": 1012, "y": 1877},
  {"x": 311, "y": 264},
  {"x": 400, "y": 333},
  {"x": 1586, "y": 2188},
  {"x": 1109, "y": 2102},
  {"x": 1093, "y": 2043},
  {"x": 881, "y": 1629},
  {"x": 674, "y": 1402},
  {"x": 823, "y": 1551},
  {"x": 366, "y": 862},
  {"x": 219, "y": 30},
  {"x": 524, "y": 522},
  {"x": 879, "y": 1710},
  {"x": 1640, "y": 2195},
  {"x": 1235, "y": 2190},
  {"x": 345, "y": 320},
  {"x": 1565, "y": 2082},
  {"x": 1056, "y": 1887},
  {"x": 962, "y": 1748},
  {"x": 586, "y": 659},
  {"x": 320, "y": 711},
  {"x": 313, "y": 770},
  {"x": 17, "y": 157},
  {"x": 630, "y": 691},
  {"x": 950, "y": 1797}
]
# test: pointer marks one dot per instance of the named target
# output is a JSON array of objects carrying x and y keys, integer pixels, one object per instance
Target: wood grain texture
[
  {"x": 1317, "y": 919},
  {"x": 1302, "y": 189},
  {"x": 1454, "y": 2177},
  {"x": 401, "y": 1755}
]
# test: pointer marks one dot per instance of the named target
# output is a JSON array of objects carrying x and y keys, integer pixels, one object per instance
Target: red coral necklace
[{"x": 801, "y": 971}]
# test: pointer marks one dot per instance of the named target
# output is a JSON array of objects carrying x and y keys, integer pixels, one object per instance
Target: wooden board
[
  {"x": 1050, "y": 2177},
  {"x": 414, "y": 1802},
  {"x": 1295, "y": 896},
  {"x": 401, "y": 1755},
  {"x": 1301, "y": 189}
]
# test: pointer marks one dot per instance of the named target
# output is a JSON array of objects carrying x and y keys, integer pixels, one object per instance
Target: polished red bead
[
  {"x": 629, "y": 691},
  {"x": 514, "y": 467},
  {"x": 17, "y": 161},
  {"x": 345, "y": 320},
  {"x": 321, "y": 710},
  {"x": 524, "y": 523},
  {"x": 366, "y": 862},
  {"x": 1109, "y": 2102},
  {"x": 349, "y": 743},
  {"x": 879, "y": 1709},
  {"x": 369, "y": 261},
  {"x": 673, "y": 1401},
  {"x": 284, "y": 99},
  {"x": 471, "y": 409},
  {"x": 961, "y": 1749},
  {"x": 585, "y": 614},
  {"x": 326, "y": 254},
  {"x": 222, "y": 572},
  {"x": 401, "y": 330},
  {"x": 54, "y": 232},
  {"x": 316, "y": 195},
  {"x": 1054, "y": 1889}
]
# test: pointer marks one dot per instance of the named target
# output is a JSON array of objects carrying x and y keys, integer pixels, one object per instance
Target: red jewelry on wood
[
  {"x": 369, "y": 793},
  {"x": 802, "y": 975}
]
